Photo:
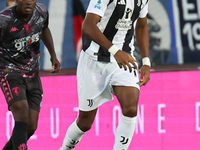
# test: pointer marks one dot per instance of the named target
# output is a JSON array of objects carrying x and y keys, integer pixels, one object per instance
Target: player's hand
[
  {"x": 55, "y": 66},
  {"x": 145, "y": 75},
  {"x": 124, "y": 59}
]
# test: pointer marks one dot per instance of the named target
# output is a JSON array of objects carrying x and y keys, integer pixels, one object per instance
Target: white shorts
[{"x": 95, "y": 80}]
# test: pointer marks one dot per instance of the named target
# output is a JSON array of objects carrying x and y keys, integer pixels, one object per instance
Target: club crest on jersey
[
  {"x": 27, "y": 28},
  {"x": 98, "y": 4}
]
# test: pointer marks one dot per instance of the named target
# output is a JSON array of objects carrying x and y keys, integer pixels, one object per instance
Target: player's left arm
[
  {"x": 48, "y": 42},
  {"x": 142, "y": 37}
]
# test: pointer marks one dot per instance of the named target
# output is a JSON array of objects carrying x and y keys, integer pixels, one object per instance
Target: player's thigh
[
  {"x": 20, "y": 110},
  {"x": 86, "y": 119},
  {"x": 126, "y": 87},
  {"x": 127, "y": 96},
  {"x": 128, "y": 99}
]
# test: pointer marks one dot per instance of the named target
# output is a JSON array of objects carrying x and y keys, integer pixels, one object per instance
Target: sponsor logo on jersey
[
  {"x": 13, "y": 29},
  {"x": 25, "y": 41},
  {"x": 125, "y": 23},
  {"x": 98, "y": 4},
  {"x": 27, "y": 28},
  {"x": 122, "y": 2}
]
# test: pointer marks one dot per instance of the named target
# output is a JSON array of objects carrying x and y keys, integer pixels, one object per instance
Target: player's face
[{"x": 26, "y": 7}]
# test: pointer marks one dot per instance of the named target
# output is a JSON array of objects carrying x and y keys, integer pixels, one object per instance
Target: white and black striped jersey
[{"x": 117, "y": 24}]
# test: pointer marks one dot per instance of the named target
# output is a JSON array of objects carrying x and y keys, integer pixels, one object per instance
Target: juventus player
[
  {"x": 22, "y": 25},
  {"x": 107, "y": 66}
]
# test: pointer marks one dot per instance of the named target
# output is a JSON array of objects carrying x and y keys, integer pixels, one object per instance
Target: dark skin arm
[
  {"x": 142, "y": 37},
  {"x": 48, "y": 42},
  {"x": 90, "y": 29}
]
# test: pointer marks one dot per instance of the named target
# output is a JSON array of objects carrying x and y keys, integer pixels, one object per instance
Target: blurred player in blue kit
[
  {"x": 107, "y": 66},
  {"x": 22, "y": 26}
]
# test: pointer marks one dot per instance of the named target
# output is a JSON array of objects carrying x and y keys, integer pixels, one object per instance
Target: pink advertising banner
[{"x": 168, "y": 115}]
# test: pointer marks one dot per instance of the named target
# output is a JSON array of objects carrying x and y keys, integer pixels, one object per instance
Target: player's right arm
[{"x": 90, "y": 29}]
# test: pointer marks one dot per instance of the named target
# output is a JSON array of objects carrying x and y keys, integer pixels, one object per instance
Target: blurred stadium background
[{"x": 174, "y": 30}]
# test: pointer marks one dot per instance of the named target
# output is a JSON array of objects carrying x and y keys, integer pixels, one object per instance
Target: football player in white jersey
[{"x": 107, "y": 66}]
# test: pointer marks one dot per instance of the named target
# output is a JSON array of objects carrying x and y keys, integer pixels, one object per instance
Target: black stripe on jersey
[
  {"x": 130, "y": 32},
  {"x": 110, "y": 2},
  {"x": 110, "y": 30},
  {"x": 86, "y": 42}
]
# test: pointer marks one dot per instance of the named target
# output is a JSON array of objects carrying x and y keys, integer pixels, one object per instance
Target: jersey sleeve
[
  {"x": 46, "y": 21},
  {"x": 97, "y": 7},
  {"x": 144, "y": 10},
  {"x": 44, "y": 13}
]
